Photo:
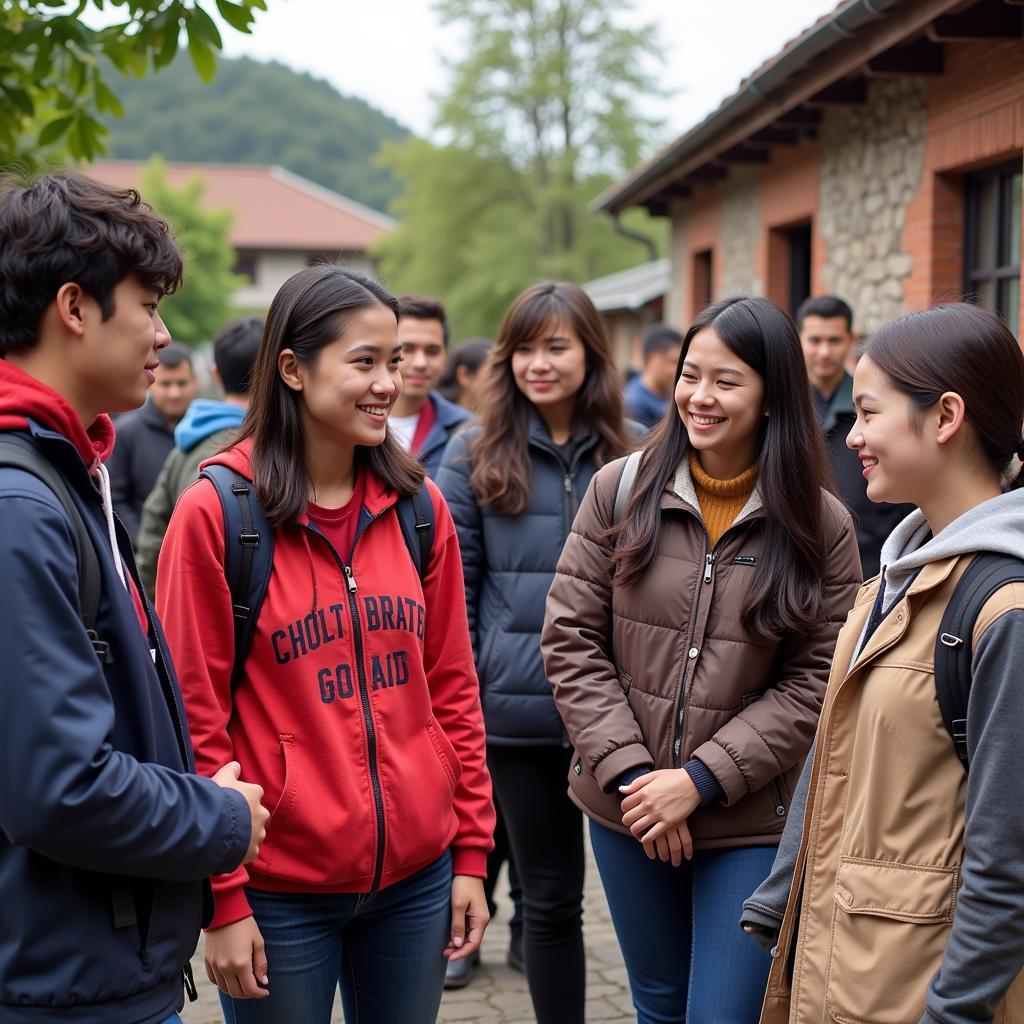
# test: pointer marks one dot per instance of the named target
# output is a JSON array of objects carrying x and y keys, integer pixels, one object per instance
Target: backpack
[
  {"x": 20, "y": 455},
  {"x": 983, "y": 577},
  {"x": 249, "y": 549}
]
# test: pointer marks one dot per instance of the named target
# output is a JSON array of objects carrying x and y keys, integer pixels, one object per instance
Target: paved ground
[{"x": 497, "y": 994}]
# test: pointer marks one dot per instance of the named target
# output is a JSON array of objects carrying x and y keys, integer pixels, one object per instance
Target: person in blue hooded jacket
[
  {"x": 206, "y": 428},
  {"x": 107, "y": 835},
  {"x": 550, "y": 416}
]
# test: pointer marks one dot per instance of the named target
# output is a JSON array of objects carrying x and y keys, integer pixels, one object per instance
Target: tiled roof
[
  {"x": 274, "y": 208},
  {"x": 632, "y": 288}
]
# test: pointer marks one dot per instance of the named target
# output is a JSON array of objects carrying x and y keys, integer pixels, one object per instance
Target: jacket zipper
[
  {"x": 776, "y": 791},
  {"x": 567, "y": 507},
  {"x": 709, "y": 567},
  {"x": 364, "y": 694}
]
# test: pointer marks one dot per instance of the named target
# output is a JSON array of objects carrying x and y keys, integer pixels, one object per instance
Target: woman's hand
[
  {"x": 236, "y": 961},
  {"x": 673, "y": 845},
  {"x": 469, "y": 917},
  {"x": 658, "y": 801}
]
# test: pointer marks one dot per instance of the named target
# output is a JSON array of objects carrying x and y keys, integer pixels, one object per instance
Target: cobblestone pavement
[{"x": 497, "y": 994}]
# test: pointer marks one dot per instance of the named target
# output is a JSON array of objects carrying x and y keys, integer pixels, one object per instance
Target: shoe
[
  {"x": 515, "y": 953},
  {"x": 459, "y": 973}
]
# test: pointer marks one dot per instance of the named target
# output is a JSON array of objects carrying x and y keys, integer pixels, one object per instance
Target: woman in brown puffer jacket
[{"x": 689, "y": 645}]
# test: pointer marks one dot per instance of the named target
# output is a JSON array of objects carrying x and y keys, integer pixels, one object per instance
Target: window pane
[
  {"x": 1013, "y": 256},
  {"x": 1010, "y": 303},
  {"x": 987, "y": 198},
  {"x": 986, "y": 293}
]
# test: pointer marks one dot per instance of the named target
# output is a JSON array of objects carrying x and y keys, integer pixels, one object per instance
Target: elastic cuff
[
  {"x": 469, "y": 860},
  {"x": 229, "y": 905},
  {"x": 632, "y": 774},
  {"x": 703, "y": 778}
]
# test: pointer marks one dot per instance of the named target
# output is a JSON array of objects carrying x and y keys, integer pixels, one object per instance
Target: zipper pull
[
  {"x": 709, "y": 564},
  {"x": 350, "y": 579},
  {"x": 568, "y": 485}
]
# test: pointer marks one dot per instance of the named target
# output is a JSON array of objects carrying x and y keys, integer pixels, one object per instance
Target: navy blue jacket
[
  {"x": 448, "y": 417},
  {"x": 105, "y": 835},
  {"x": 509, "y": 563}
]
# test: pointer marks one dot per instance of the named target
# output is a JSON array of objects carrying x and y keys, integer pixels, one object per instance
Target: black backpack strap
[
  {"x": 248, "y": 555},
  {"x": 19, "y": 455},
  {"x": 953, "y": 645},
  {"x": 417, "y": 527}
]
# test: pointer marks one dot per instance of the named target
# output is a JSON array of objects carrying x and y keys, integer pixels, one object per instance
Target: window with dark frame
[
  {"x": 992, "y": 246},
  {"x": 245, "y": 266},
  {"x": 799, "y": 238},
  {"x": 703, "y": 279}
]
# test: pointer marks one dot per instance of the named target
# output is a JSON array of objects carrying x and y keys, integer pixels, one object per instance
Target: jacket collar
[
  {"x": 447, "y": 416},
  {"x": 840, "y": 406},
  {"x": 682, "y": 488},
  {"x": 539, "y": 437},
  {"x": 154, "y": 418}
]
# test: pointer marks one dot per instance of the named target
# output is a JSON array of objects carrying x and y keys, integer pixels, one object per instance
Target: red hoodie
[{"x": 359, "y": 710}]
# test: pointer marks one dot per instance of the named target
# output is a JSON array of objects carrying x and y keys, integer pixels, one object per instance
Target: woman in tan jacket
[
  {"x": 688, "y": 647},
  {"x": 904, "y": 872}
]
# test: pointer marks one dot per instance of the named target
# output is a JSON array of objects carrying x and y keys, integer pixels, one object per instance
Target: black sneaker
[
  {"x": 459, "y": 973},
  {"x": 515, "y": 953}
]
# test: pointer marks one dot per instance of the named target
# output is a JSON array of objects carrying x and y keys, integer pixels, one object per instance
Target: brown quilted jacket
[{"x": 653, "y": 674}]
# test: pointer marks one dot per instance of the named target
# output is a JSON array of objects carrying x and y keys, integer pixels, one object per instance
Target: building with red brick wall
[{"x": 879, "y": 156}]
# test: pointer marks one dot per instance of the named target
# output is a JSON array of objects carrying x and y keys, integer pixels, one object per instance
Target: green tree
[
  {"x": 51, "y": 80},
  {"x": 200, "y": 307},
  {"x": 540, "y": 116}
]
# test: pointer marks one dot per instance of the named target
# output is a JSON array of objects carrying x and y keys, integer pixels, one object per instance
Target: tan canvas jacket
[
  {"x": 878, "y": 872},
  {"x": 664, "y": 670}
]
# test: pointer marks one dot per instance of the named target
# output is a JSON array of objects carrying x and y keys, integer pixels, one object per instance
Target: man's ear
[
  {"x": 69, "y": 302},
  {"x": 951, "y": 416}
]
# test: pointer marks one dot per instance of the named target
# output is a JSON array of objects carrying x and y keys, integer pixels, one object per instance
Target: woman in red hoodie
[{"x": 358, "y": 707}]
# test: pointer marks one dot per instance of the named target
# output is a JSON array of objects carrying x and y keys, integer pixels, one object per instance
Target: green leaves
[{"x": 50, "y": 84}]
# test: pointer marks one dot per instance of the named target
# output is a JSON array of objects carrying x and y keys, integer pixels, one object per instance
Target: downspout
[{"x": 652, "y": 249}]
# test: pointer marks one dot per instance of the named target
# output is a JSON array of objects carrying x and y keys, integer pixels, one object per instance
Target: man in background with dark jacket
[
  {"x": 206, "y": 427},
  {"x": 825, "y": 323},
  {"x": 145, "y": 436},
  {"x": 423, "y": 419},
  {"x": 107, "y": 835}
]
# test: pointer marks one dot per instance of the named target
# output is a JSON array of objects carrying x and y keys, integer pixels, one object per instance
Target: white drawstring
[{"x": 108, "y": 512}]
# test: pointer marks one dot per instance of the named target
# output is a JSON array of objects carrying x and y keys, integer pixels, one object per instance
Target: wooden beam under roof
[
  {"x": 745, "y": 155},
  {"x": 799, "y": 116},
  {"x": 991, "y": 19},
  {"x": 775, "y": 137},
  {"x": 918, "y": 57},
  {"x": 708, "y": 172},
  {"x": 844, "y": 92}
]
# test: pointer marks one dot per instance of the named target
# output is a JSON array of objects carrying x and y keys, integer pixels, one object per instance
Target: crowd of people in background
[{"x": 307, "y": 664}]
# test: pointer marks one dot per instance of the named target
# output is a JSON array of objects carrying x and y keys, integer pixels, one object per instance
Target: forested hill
[{"x": 256, "y": 113}]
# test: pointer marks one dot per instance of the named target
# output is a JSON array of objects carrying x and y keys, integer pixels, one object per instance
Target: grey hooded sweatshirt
[{"x": 985, "y": 952}]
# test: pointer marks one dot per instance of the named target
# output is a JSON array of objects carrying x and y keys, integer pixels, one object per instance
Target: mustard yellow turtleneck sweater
[{"x": 721, "y": 501}]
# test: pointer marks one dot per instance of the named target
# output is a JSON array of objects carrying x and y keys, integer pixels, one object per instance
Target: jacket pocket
[
  {"x": 445, "y": 752},
  {"x": 890, "y": 925},
  {"x": 625, "y": 681},
  {"x": 286, "y": 802}
]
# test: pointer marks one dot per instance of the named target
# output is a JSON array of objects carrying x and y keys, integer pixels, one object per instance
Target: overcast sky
[{"x": 390, "y": 51}]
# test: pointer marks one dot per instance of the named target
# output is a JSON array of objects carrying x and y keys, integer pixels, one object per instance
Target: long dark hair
[
  {"x": 313, "y": 308},
  {"x": 786, "y": 593},
  {"x": 500, "y": 477},
  {"x": 965, "y": 349}
]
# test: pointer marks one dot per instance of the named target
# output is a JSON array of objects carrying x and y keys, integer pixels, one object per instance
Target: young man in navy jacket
[{"x": 106, "y": 834}]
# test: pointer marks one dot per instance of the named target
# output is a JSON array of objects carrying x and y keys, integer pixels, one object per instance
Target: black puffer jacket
[{"x": 509, "y": 563}]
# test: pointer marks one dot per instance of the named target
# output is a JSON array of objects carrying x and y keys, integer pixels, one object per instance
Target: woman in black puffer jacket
[{"x": 551, "y": 415}]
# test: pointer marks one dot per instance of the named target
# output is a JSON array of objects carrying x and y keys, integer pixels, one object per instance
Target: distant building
[
  {"x": 878, "y": 156},
  {"x": 631, "y": 301},
  {"x": 283, "y": 222}
]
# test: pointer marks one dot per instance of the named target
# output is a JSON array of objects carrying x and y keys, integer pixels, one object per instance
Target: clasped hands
[{"x": 655, "y": 808}]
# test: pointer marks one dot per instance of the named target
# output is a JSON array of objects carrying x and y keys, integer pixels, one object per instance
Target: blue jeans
[
  {"x": 687, "y": 958},
  {"x": 383, "y": 951}
]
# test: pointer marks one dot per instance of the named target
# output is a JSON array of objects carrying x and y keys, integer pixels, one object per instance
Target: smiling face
[
  {"x": 117, "y": 360},
  {"x": 347, "y": 392},
  {"x": 423, "y": 356},
  {"x": 896, "y": 459},
  {"x": 721, "y": 403},
  {"x": 550, "y": 369}
]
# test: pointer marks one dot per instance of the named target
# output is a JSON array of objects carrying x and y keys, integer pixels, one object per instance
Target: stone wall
[
  {"x": 871, "y": 162},
  {"x": 741, "y": 228}
]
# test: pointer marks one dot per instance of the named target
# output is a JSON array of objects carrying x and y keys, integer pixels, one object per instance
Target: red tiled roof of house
[{"x": 274, "y": 208}]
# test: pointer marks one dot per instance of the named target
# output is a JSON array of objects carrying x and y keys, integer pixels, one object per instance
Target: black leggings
[{"x": 545, "y": 831}]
